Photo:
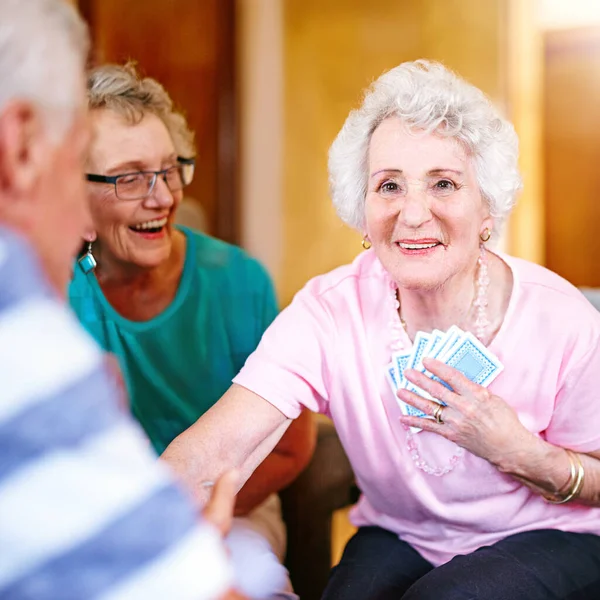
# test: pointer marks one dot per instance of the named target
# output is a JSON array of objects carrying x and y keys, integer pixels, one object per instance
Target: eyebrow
[
  {"x": 138, "y": 165},
  {"x": 436, "y": 171}
]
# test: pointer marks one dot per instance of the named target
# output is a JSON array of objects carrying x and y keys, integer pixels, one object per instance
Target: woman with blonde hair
[{"x": 179, "y": 309}]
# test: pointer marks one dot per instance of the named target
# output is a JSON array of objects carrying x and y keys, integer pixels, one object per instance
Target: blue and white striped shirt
[{"x": 86, "y": 511}]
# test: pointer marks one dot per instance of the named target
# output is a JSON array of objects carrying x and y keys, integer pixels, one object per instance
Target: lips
[
  {"x": 422, "y": 246},
  {"x": 413, "y": 246},
  {"x": 152, "y": 226}
]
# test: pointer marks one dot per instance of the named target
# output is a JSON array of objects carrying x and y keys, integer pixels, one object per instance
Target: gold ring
[{"x": 437, "y": 413}]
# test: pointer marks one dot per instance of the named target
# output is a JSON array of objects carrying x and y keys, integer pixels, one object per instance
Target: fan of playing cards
[{"x": 457, "y": 348}]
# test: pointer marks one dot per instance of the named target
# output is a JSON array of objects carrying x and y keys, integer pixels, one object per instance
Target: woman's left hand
[{"x": 474, "y": 418}]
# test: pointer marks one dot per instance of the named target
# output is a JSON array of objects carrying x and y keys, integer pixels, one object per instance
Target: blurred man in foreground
[{"x": 85, "y": 509}]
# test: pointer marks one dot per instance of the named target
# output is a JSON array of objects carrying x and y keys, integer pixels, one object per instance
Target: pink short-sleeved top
[{"x": 328, "y": 352}]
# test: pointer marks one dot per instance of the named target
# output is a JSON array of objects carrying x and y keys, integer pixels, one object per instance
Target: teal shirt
[{"x": 178, "y": 364}]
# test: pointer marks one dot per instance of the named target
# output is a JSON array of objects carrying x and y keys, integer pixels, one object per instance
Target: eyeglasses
[{"x": 134, "y": 186}]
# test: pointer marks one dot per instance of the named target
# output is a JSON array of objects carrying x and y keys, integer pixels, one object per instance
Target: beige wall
[{"x": 524, "y": 52}]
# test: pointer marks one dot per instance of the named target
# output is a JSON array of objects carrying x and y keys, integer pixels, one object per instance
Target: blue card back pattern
[{"x": 471, "y": 358}]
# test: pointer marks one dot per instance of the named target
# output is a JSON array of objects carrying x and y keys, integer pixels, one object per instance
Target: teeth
[
  {"x": 155, "y": 224},
  {"x": 416, "y": 246}
]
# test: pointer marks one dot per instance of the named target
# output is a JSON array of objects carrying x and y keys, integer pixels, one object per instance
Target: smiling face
[
  {"x": 424, "y": 209},
  {"x": 134, "y": 232}
]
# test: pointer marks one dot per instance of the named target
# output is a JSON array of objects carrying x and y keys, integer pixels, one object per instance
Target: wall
[
  {"x": 524, "y": 55},
  {"x": 260, "y": 107}
]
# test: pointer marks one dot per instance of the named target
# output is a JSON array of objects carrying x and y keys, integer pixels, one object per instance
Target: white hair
[
  {"x": 122, "y": 89},
  {"x": 43, "y": 50},
  {"x": 426, "y": 96}
]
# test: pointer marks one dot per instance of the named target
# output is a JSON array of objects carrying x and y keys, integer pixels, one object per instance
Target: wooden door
[
  {"x": 188, "y": 45},
  {"x": 572, "y": 154}
]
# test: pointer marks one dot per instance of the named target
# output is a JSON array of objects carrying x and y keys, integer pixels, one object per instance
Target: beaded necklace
[{"x": 397, "y": 325}]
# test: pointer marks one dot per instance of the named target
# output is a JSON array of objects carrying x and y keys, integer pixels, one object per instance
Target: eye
[
  {"x": 444, "y": 186},
  {"x": 389, "y": 187},
  {"x": 131, "y": 178}
]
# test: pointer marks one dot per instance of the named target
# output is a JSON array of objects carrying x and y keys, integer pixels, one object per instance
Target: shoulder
[
  {"x": 21, "y": 275},
  {"x": 346, "y": 282},
  {"x": 537, "y": 282},
  {"x": 553, "y": 309},
  {"x": 44, "y": 348},
  {"x": 221, "y": 259}
]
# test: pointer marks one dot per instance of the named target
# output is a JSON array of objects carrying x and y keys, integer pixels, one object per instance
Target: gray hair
[
  {"x": 426, "y": 96},
  {"x": 120, "y": 88},
  {"x": 43, "y": 49}
]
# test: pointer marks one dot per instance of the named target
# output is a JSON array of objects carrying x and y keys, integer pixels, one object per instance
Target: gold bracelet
[
  {"x": 580, "y": 475},
  {"x": 575, "y": 484}
]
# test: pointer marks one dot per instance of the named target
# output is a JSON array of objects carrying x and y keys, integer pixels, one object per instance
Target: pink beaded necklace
[{"x": 481, "y": 326}]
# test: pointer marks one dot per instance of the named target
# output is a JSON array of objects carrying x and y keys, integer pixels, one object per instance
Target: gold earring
[
  {"x": 366, "y": 244},
  {"x": 485, "y": 235}
]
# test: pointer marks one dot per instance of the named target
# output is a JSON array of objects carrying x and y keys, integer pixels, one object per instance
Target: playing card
[
  {"x": 458, "y": 349},
  {"x": 435, "y": 343},
  {"x": 452, "y": 337},
  {"x": 470, "y": 357},
  {"x": 392, "y": 378},
  {"x": 422, "y": 340},
  {"x": 400, "y": 362},
  {"x": 416, "y": 356}
]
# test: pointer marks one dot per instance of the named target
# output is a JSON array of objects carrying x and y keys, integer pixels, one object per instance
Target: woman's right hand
[
  {"x": 219, "y": 513},
  {"x": 219, "y": 508}
]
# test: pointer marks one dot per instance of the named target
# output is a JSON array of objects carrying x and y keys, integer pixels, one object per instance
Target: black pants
[{"x": 535, "y": 565}]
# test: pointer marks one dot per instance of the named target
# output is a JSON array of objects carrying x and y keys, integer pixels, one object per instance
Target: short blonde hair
[
  {"x": 122, "y": 89},
  {"x": 427, "y": 96}
]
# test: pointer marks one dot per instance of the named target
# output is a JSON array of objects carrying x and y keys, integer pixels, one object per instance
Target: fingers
[
  {"x": 434, "y": 388},
  {"x": 427, "y": 406},
  {"x": 219, "y": 509},
  {"x": 425, "y": 424},
  {"x": 456, "y": 380}
]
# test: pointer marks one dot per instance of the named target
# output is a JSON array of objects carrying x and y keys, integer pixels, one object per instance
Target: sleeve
[
  {"x": 293, "y": 365},
  {"x": 575, "y": 422},
  {"x": 85, "y": 508}
]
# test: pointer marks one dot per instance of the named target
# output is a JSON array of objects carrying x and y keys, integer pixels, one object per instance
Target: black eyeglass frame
[{"x": 113, "y": 178}]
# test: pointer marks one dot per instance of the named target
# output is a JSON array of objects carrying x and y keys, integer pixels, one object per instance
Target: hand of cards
[{"x": 457, "y": 348}]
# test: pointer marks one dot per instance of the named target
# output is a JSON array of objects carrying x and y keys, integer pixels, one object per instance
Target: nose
[
  {"x": 161, "y": 196},
  {"x": 415, "y": 210}
]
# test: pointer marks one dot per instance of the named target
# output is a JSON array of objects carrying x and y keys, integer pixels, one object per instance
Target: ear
[
  {"x": 487, "y": 223},
  {"x": 90, "y": 235},
  {"x": 22, "y": 149}
]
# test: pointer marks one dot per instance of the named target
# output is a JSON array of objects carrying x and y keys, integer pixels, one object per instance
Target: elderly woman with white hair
[{"x": 497, "y": 495}]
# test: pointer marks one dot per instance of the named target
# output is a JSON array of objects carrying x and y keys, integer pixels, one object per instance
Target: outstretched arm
[
  {"x": 289, "y": 458},
  {"x": 239, "y": 432}
]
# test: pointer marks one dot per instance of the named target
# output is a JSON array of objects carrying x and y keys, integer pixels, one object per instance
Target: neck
[
  {"x": 440, "y": 308},
  {"x": 114, "y": 273}
]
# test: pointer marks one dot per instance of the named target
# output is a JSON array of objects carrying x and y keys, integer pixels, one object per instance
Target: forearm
[
  {"x": 198, "y": 463},
  {"x": 238, "y": 432},
  {"x": 545, "y": 469}
]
